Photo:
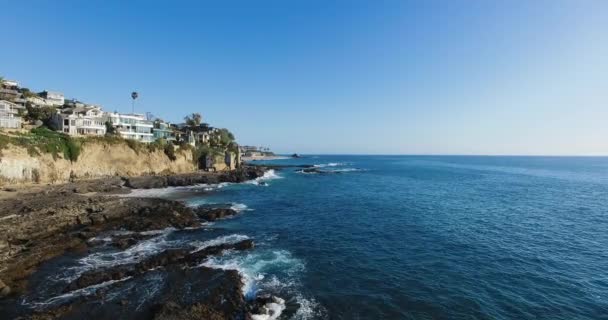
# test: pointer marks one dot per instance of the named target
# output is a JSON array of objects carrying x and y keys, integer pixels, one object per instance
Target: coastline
[{"x": 43, "y": 223}]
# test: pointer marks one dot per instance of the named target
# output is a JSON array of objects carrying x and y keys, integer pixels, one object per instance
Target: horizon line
[{"x": 449, "y": 155}]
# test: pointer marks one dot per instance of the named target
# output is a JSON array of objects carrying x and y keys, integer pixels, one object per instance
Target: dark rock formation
[
  {"x": 212, "y": 214},
  {"x": 188, "y": 179},
  {"x": 4, "y": 289},
  {"x": 38, "y": 227},
  {"x": 181, "y": 257}
]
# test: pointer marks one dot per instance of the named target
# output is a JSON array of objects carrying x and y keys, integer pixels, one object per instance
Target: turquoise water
[{"x": 400, "y": 237}]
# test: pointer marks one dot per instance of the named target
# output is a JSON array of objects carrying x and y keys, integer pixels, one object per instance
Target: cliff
[{"x": 96, "y": 159}]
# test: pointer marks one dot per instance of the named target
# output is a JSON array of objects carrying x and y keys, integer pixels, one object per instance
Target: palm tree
[{"x": 134, "y": 95}]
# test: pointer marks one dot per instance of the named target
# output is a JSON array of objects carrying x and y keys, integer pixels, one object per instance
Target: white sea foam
[
  {"x": 133, "y": 254},
  {"x": 80, "y": 292},
  {"x": 268, "y": 175},
  {"x": 150, "y": 193},
  {"x": 273, "y": 271},
  {"x": 272, "y": 310},
  {"x": 308, "y": 309},
  {"x": 240, "y": 207},
  {"x": 229, "y": 239},
  {"x": 331, "y": 164},
  {"x": 254, "y": 266},
  {"x": 346, "y": 170}
]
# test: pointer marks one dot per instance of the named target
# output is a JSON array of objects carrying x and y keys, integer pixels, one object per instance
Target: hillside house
[
  {"x": 54, "y": 98},
  {"x": 10, "y": 115},
  {"x": 80, "y": 121},
  {"x": 131, "y": 126}
]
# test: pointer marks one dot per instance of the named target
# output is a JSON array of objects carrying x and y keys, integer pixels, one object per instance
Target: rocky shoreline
[{"x": 40, "y": 224}]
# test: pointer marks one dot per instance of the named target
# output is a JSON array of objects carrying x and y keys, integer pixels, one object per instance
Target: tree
[
  {"x": 193, "y": 120},
  {"x": 224, "y": 137},
  {"x": 110, "y": 130},
  {"x": 28, "y": 93},
  {"x": 43, "y": 114}
]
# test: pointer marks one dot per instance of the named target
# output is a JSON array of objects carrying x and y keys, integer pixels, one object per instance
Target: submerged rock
[{"x": 212, "y": 214}]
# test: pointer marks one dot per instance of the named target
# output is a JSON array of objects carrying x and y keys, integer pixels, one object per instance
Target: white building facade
[
  {"x": 53, "y": 98},
  {"x": 81, "y": 121},
  {"x": 131, "y": 126},
  {"x": 9, "y": 115}
]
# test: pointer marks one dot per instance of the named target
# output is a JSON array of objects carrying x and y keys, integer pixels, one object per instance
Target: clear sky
[{"x": 321, "y": 76}]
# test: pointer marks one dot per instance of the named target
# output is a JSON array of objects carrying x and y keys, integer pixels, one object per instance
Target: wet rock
[
  {"x": 266, "y": 306},
  {"x": 4, "y": 290},
  {"x": 180, "y": 257},
  {"x": 125, "y": 241},
  {"x": 188, "y": 179},
  {"x": 212, "y": 214},
  {"x": 174, "y": 311}
]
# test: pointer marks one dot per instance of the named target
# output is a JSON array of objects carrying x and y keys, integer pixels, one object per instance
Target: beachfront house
[
  {"x": 80, "y": 121},
  {"x": 53, "y": 98},
  {"x": 163, "y": 130},
  {"x": 131, "y": 126},
  {"x": 10, "y": 115}
]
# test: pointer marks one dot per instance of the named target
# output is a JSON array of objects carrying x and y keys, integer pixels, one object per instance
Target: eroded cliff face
[{"x": 96, "y": 160}]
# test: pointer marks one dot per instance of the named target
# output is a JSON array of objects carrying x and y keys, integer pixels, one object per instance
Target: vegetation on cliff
[{"x": 43, "y": 140}]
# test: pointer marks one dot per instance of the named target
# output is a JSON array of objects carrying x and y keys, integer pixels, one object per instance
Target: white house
[
  {"x": 56, "y": 98},
  {"x": 10, "y": 83},
  {"x": 9, "y": 115},
  {"x": 80, "y": 121},
  {"x": 131, "y": 126},
  {"x": 40, "y": 102}
]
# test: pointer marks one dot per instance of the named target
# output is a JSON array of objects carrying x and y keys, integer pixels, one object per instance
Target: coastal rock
[
  {"x": 212, "y": 214},
  {"x": 187, "y": 179},
  {"x": 181, "y": 257},
  {"x": 173, "y": 311},
  {"x": 266, "y": 306},
  {"x": 4, "y": 290},
  {"x": 146, "y": 182},
  {"x": 224, "y": 298}
]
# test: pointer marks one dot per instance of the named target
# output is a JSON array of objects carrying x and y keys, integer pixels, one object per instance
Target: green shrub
[
  {"x": 170, "y": 151},
  {"x": 72, "y": 150},
  {"x": 43, "y": 140}
]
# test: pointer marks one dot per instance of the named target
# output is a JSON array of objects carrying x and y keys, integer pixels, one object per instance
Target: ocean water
[
  {"x": 417, "y": 237},
  {"x": 396, "y": 237}
]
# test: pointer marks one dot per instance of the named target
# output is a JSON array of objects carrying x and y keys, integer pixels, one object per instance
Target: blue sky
[{"x": 388, "y": 77}]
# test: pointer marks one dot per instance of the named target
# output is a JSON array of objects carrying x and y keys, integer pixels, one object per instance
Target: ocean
[
  {"x": 406, "y": 237},
  {"x": 427, "y": 237}
]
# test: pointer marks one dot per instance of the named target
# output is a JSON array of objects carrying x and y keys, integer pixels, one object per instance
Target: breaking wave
[
  {"x": 269, "y": 271},
  {"x": 240, "y": 207},
  {"x": 331, "y": 164},
  {"x": 229, "y": 239},
  {"x": 134, "y": 254},
  {"x": 268, "y": 175}
]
